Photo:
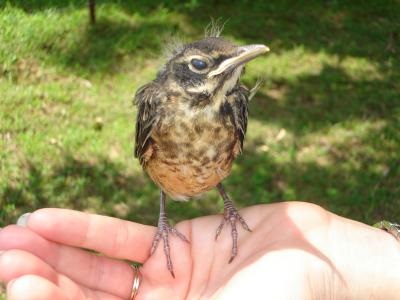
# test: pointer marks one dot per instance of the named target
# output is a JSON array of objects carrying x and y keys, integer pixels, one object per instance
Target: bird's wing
[
  {"x": 147, "y": 99},
  {"x": 240, "y": 113}
]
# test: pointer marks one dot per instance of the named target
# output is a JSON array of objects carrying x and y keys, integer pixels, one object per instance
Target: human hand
[{"x": 295, "y": 251}]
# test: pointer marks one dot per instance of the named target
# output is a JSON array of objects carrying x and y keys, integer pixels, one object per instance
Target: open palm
[{"x": 295, "y": 251}]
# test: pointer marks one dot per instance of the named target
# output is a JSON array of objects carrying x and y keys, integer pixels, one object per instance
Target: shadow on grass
[
  {"x": 79, "y": 185},
  {"x": 104, "y": 47},
  {"x": 142, "y": 6},
  {"x": 316, "y": 102},
  {"x": 116, "y": 38}
]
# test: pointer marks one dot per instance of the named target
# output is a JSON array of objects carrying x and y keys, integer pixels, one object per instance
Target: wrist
[
  {"x": 368, "y": 263},
  {"x": 387, "y": 262}
]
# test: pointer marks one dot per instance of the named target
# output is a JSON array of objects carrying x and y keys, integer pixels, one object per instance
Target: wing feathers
[{"x": 147, "y": 100}]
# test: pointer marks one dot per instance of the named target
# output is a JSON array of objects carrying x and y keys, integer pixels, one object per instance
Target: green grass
[{"x": 325, "y": 126}]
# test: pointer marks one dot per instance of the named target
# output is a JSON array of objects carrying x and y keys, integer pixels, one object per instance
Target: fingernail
[{"x": 23, "y": 220}]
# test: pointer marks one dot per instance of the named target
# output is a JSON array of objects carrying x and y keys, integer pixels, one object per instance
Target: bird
[{"x": 190, "y": 126}]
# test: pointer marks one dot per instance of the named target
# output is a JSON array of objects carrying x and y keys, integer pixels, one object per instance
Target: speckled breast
[{"x": 191, "y": 155}]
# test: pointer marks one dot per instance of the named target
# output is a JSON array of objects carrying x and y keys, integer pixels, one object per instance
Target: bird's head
[{"x": 209, "y": 67}]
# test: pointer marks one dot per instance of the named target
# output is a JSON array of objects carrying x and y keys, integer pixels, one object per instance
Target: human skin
[{"x": 296, "y": 250}]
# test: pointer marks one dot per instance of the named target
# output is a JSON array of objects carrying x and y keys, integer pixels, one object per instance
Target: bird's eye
[{"x": 198, "y": 64}]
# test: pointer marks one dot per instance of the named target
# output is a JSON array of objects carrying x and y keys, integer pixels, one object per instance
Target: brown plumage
[{"x": 191, "y": 125}]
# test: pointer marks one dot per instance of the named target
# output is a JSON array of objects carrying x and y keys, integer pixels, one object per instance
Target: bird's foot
[
  {"x": 392, "y": 228},
  {"x": 231, "y": 216},
  {"x": 163, "y": 231}
]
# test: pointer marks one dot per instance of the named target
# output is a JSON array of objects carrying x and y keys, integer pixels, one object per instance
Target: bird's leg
[
  {"x": 162, "y": 232},
  {"x": 392, "y": 228},
  {"x": 231, "y": 216}
]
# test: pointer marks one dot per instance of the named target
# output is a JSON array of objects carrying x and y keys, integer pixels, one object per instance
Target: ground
[{"x": 324, "y": 128}]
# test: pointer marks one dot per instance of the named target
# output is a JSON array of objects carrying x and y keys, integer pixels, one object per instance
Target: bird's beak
[{"x": 245, "y": 54}]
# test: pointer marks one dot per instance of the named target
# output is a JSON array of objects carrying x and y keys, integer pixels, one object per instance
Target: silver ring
[{"x": 137, "y": 279}]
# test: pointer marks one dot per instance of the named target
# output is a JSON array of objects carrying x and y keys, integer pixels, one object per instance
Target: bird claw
[
  {"x": 232, "y": 215},
  {"x": 163, "y": 231},
  {"x": 392, "y": 228}
]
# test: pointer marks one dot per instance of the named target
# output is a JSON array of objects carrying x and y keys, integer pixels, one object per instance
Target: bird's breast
[{"x": 191, "y": 154}]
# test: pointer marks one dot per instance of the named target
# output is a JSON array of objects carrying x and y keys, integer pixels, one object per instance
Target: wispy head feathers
[
  {"x": 175, "y": 45},
  {"x": 214, "y": 28},
  {"x": 255, "y": 88}
]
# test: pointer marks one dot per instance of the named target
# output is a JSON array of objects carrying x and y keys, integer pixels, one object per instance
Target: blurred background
[{"x": 324, "y": 127}]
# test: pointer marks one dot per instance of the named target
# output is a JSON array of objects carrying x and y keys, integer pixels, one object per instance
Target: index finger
[{"x": 111, "y": 236}]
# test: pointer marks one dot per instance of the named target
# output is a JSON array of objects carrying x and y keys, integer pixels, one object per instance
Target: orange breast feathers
[{"x": 187, "y": 160}]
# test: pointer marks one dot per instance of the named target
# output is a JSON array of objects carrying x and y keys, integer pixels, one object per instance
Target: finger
[
  {"x": 111, "y": 236},
  {"x": 33, "y": 287},
  {"x": 87, "y": 269},
  {"x": 15, "y": 263}
]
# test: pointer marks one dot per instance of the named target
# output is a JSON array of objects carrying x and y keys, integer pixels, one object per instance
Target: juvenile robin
[{"x": 191, "y": 124}]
